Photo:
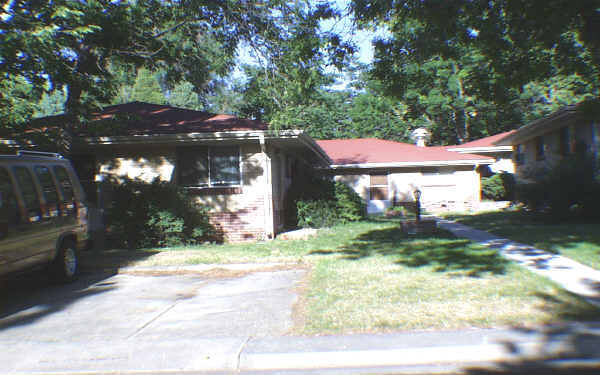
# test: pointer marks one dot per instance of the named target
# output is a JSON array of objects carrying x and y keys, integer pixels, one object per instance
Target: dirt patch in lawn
[{"x": 213, "y": 272}]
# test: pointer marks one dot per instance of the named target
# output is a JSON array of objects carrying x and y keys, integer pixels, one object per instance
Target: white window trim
[{"x": 387, "y": 186}]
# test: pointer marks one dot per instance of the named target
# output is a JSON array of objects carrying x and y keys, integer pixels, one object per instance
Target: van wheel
[{"x": 65, "y": 267}]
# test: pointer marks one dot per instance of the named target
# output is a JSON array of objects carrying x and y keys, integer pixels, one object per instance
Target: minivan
[{"x": 43, "y": 215}]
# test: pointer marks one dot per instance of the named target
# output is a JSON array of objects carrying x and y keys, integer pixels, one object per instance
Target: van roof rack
[{"x": 39, "y": 154}]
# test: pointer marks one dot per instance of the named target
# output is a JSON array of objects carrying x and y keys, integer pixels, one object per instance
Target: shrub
[
  {"x": 500, "y": 186},
  {"x": 154, "y": 214},
  {"x": 318, "y": 202},
  {"x": 317, "y": 214},
  {"x": 350, "y": 206}
]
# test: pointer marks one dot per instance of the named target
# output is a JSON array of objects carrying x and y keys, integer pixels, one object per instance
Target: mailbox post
[{"x": 417, "y": 194}]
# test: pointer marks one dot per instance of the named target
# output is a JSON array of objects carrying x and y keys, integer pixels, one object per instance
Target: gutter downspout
[{"x": 267, "y": 202}]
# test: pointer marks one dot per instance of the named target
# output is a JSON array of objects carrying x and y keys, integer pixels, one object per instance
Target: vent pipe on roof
[{"x": 420, "y": 136}]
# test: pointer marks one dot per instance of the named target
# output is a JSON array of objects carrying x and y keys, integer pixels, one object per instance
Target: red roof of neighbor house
[
  {"x": 483, "y": 142},
  {"x": 371, "y": 150},
  {"x": 145, "y": 118}
]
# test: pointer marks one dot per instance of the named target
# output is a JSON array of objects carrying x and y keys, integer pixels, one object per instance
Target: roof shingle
[{"x": 371, "y": 150}]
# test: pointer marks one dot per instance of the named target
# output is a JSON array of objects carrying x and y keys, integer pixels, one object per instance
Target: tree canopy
[
  {"x": 471, "y": 68},
  {"x": 73, "y": 44},
  {"x": 464, "y": 69}
]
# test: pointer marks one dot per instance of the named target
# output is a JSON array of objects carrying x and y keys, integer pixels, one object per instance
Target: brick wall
[{"x": 246, "y": 224}]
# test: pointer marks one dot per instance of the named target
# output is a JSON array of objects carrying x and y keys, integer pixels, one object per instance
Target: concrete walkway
[{"x": 571, "y": 275}]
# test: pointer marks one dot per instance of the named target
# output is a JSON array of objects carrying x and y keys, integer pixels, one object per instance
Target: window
[
  {"x": 9, "y": 210},
  {"x": 539, "y": 148},
  {"x": 66, "y": 187},
  {"x": 30, "y": 195},
  {"x": 520, "y": 154},
  {"x": 378, "y": 189},
  {"x": 48, "y": 186},
  {"x": 565, "y": 141},
  {"x": 209, "y": 166},
  {"x": 65, "y": 184}
]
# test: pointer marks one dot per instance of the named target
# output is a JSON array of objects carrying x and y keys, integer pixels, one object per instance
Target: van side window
[
  {"x": 30, "y": 196},
  {"x": 64, "y": 182},
  {"x": 9, "y": 209},
  {"x": 48, "y": 186}
]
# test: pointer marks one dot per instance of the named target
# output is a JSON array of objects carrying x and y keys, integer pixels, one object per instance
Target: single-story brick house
[
  {"x": 387, "y": 173},
  {"x": 237, "y": 167},
  {"x": 539, "y": 145},
  {"x": 242, "y": 170}
]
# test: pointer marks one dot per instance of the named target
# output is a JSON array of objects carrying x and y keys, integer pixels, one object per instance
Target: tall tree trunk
[{"x": 460, "y": 116}]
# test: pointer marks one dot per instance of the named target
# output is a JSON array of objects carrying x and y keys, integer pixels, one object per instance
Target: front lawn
[
  {"x": 371, "y": 277},
  {"x": 577, "y": 240}
]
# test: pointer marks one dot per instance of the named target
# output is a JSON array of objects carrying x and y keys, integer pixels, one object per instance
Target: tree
[
  {"x": 183, "y": 95},
  {"x": 524, "y": 40},
  {"x": 17, "y": 102},
  {"x": 72, "y": 44},
  {"x": 147, "y": 89},
  {"x": 51, "y": 104},
  {"x": 464, "y": 78},
  {"x": 278, "y": 89}
]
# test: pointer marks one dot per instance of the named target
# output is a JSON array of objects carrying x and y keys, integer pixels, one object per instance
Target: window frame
[
  {"x": 52, "y": 199},
  {"x": 33, "y": 212},
  {"x": 379, "y": 186},
  {"x": 210, "y": 183},
  {"x": 540, "y": 148},
  {"x": 520, "y": 154},
  {"x": 13, "y": 212}
]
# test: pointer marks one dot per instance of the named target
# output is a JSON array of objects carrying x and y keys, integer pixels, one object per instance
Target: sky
[{"x": 344, "y": 27}]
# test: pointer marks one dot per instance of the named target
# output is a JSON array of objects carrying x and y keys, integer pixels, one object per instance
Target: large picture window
[{"x": 209, "y": 166}]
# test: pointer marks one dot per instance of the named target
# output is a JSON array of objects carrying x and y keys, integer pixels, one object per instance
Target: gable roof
[
  {"x": 371, "y": 152},
  {"x": 152, "y": 119},
  {"x": 563, "y": 117},
  {"x": 164, "y": 119},
  {"x": 483, "y": 145}
]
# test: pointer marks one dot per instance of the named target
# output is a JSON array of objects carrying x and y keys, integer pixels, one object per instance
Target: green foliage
[
  {"x": 349, "y": 205},
  {"x": 318, "y": 202},
  {"x": 469, "y": 69},
  {"x": 51, "y": 104},
  {"x": 498, "y": 187},
  {"x": 147, "y": 89},
  {"x": 522, "y": 40},
  {"x": 571, "y": 189},
  {"x": 183, "y": 95},
  {"x": 17, "y": 102},
  {"x": 317, "y": 214},
  {"x": 77, "y": 44},
  {"x": 154, "y": 214}
]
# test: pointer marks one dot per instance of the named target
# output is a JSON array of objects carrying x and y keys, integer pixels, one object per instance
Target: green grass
[
  {"x": 371, "y": 277},
  {"x": 577, "y": 240}
]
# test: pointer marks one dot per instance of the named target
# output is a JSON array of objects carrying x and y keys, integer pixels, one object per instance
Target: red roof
[
  {"x": 371, "y": 150},
  {"x": 484, "y": 142},
  {"x": 145, "y": 118}
]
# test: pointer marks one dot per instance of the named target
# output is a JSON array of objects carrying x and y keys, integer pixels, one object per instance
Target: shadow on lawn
[
  {"x": 441, "y": 250},
  {"x": 538, "y": 230},
  {"x": 571, "y": 346}
]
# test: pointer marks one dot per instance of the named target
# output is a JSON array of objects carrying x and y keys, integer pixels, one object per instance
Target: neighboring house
[
  {"x": 236, "y": 167},
  {"x": 487, "y": 147},
  {"x": 539, "y": 145},
  {"x": 387, "y": 173}
]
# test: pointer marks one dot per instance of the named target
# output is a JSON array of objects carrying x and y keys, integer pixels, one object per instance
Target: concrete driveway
[{"x": 136, "y": 321}]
